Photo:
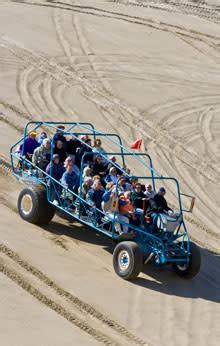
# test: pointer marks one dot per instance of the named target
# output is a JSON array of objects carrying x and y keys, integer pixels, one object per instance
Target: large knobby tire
[
  {"x": 33, "y": 205},
  {"x": 193, "y": 267},
  {"x": 127, "y": 260}
]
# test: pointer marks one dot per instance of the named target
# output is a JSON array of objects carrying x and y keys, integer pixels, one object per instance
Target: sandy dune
[{"x": 141, "y": 71}]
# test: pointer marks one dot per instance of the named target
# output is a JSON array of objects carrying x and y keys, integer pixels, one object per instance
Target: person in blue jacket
[{"x": 69, "y": 179}]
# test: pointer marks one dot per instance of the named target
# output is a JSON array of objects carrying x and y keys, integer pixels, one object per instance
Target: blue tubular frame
[{"x": 160, "y": 245}]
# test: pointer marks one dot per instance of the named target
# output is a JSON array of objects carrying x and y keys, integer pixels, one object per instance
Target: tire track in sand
[
  {"x": 80, "y": 306},
  {"x": 158, "y": 135}
]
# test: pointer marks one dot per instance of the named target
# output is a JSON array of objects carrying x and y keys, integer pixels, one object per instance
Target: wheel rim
[
  {"x": 123, "y": 260},
  {"x": 26, "y": 204}
]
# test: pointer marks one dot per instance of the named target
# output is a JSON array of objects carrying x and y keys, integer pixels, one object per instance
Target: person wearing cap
[
  {"x": 160, "y": 201},
  {"x": 59, "y": 136},
  {"x": 30, "y": 144},
  {"x": 149, "y": 193},
  {"x": 41, "y": 155}
]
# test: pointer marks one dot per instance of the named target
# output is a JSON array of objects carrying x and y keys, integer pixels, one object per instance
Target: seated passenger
[
  {"x": 69, "y": 179},
  {"x": 149, "y": 193},
  {"x": 43, "y": 135},
  {"x": 94, "y": 198},
  {"x": 72, "y": 145},
  {"x": 59, "y": 149},
  {"x": 55, "y": 169},
  {"x": 87, "y": 173},
  {"x": 85, "y": 148},
  {"x": 30, "y": 144},
  {"x": 70, "y": 159},
  {"x": 98, "y": 167},
  {"x": 86, "y": 186},
  {"x": 112, "y": 176},
  {"x": 126, "y": 210},
  {"x": 97, "y": 148},
  {"x": 122, "y": 186},
  {"x": 59, "y": 136},
  {"x": 110, "y": 165},
  {"x": 137, "y": 197},
  {"x": 160, "y": 201},
  {"x": 41, "y": 155}
]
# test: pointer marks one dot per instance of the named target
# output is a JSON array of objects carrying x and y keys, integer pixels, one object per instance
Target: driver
[{"x": 160, "y": 201}]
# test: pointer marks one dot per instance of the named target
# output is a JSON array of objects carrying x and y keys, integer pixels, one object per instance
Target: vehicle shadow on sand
[{"x": 206, "y": 285}]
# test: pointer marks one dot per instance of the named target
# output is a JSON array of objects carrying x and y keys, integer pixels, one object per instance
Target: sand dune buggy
[{"x": 160, "y": 239}]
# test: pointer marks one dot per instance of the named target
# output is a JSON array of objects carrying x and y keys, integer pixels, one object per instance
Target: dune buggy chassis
[{"x": 150, "y": 241}]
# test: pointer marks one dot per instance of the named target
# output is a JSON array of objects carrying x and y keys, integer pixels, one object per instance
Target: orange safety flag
[{"x": 136, "y": 144}]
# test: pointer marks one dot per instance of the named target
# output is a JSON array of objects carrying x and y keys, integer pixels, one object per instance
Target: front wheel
[
  {"x": 190, "y": 269},
  {"x": 127, "y": 260}
]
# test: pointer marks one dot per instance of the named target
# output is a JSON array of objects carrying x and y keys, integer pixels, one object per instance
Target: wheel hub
[
  {"x": 26, "y": 204},
  {"x": 123, "y": 260}
]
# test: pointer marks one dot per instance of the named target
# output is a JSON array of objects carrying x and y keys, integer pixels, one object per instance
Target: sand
[{"x": 149, "y": 72}]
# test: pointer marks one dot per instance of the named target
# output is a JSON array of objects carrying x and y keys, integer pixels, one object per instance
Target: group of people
[{"x": 104, "y": 184}]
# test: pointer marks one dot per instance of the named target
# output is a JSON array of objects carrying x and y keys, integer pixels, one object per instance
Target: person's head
[
  {"x": 98, "y": 159},
  {"x": 148, "y": 187},
  {"x": 113, "y": 171},
  {"x": 122, "y": 181},
  {"x": 134, "y": 181},
  {"x": 127, "y": 194},
  {"x": 88, "y": 141},
  {"x": 68, "y": 160},
  {"x": 56, "y": 159},
  {"x": 33, "y": 134},
  {"x": 59, "y": 144},
  {"x": 112, "y": 158},
  {"x": 97, "y": 185},
  {"x": 96, "y": 177},
  {"x": 162, "y": 191},
  {"x": 69, "y": 167},
  {"x": 87, "y": 172},
  {"x": 138, "y": 187},
  {"x": 84, "y": 138},
  {"x": 127, "y": 170},
  {"x": 43, "y": 135},
  {"x": 88, "y": 183},
  {"x": 97, "y": 142},
  {"x": 60, "y": 129},
  {"x": 46, "y": 143}
]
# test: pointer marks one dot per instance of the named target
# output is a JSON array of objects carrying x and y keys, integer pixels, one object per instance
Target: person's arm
[
  {"x": 89, "y": 198},
  {"x": 35, "y": 156},
  {"x": 106, "y": 196},
  {"x": 63, "y": 180}
]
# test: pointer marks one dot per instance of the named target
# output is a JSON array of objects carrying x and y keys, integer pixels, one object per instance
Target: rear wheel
[
  {"x": 127, "y": 260},
  {"x": 33, "y": 205},
  {"x": 190, "y": 269}
]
